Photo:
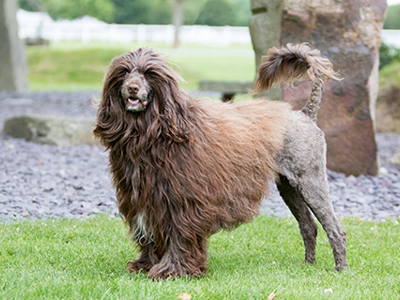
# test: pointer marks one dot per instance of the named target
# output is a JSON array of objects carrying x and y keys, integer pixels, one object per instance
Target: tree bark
[
  {"x": 177, "y": 20},
  {"x": 13, "y": 70}
]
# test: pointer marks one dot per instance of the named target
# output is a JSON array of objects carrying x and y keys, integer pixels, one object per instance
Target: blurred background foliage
[
  {"x": 204, "y": 12},
  {"x": 72, "y": 9},
  {"x": 388, "y": 54},
  {"x": 392, "y": 17}
]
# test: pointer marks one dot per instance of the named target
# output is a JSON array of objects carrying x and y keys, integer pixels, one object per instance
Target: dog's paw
[
  {"x": 135, "y": 265},
  {"x": 341, "y": 268},
  {"x": 164, "y": 271},
  {"x": 309, "y": 260}
]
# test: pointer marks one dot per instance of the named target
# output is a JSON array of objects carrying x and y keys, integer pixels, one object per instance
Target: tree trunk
[
  {"x": 13, "y": 70},
  {"x": 177, "y": 20}
]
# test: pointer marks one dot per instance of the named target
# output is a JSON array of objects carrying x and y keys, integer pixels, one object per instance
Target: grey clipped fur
[
  {"x": 304, "y": 186},
  {"x": 302, "y": 181}
]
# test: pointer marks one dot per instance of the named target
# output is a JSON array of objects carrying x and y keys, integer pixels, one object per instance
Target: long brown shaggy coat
[{"x": 183, "y": 168}]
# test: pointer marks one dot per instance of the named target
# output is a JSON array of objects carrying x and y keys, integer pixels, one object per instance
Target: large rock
[
  {"x": 52, "y": 130},
  {"x": 13, "y": 66},
  {"x": 348, "y": 33}
]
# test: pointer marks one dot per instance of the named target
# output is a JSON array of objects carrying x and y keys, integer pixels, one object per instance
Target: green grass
[
  {"x": 85, "y": 259},
  {"x": 76, "y": 66},
  {"x": 389, "y": 75}
]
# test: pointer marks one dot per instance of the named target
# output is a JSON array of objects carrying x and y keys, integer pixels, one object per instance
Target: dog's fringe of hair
[{"x": 296, "y": 62}]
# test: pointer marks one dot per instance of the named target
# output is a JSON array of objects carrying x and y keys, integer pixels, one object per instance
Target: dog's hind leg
[
  {"x": 313, "y": 188},
  {"x": 308, "y": 227},
  {"x": 303, "y": 163},
  {"x": 315, "y": 192}
]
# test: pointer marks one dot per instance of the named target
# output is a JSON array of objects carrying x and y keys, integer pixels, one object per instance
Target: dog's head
[
  {"x": 140, "y": 89},
  {"x": 139, "y": 78}
]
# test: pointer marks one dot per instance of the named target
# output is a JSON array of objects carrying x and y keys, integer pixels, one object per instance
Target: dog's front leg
[
  {"x": 182, "y": 258},
  {"x": 148, "y": 258}
]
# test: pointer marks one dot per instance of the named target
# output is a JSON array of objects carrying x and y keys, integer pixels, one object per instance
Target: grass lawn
[
  {"x": 85, "y": 259},
  {"x": 389, "y": 75},
  {"x": 76, "y": 66}
]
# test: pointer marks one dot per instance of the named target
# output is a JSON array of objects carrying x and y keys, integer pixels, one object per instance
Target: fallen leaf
[
  {"x": 184, "y": 296},
  {"x": 328, "y": 291},
  {"x": 271, "y": 296}
]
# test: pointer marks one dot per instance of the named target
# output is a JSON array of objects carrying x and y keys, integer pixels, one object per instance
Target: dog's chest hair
[{"x": 140, "y": 231}]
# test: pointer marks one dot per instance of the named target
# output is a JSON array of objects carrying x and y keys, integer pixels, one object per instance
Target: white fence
[
  {"x": 115, "y": 33},
  {"x": 391, "y": 37},
  {"x": 86, "y": 29}
]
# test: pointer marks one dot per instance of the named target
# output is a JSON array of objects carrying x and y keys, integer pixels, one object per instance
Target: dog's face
[
  {"x": 139, "y": 80},
  {"x": 136, "y": 93}
]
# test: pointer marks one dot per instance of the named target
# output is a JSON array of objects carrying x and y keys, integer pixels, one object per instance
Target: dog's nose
[{"x": 133, "y": 88}]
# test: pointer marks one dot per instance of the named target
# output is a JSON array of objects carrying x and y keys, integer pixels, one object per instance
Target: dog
[{"x": 185, "y": 168}]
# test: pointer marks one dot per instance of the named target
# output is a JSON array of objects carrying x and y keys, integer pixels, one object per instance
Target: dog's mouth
[{"x": 135, "y": 104}]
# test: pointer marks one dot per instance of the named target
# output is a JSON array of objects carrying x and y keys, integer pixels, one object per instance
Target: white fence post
[{"x": 141, "y": 33}]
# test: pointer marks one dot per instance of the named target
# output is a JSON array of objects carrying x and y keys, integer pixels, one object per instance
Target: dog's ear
[
  {"x": 176, "y": 119},
  {"x": 171, "y": 104},
  {"x": 110, "y": 123}
]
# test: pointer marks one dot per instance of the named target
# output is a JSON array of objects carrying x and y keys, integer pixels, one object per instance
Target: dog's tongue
[{"x": 133, "y": 101}]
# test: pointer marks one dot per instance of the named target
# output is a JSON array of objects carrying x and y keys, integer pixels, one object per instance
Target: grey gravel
[{"x": 43, "y": 181}]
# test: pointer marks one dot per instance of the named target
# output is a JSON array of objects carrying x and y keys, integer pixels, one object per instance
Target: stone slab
[
  {"x": 239, "y": 87},
  {"x": 348, "y": 33},
  {"x": 52, "y": 130}
]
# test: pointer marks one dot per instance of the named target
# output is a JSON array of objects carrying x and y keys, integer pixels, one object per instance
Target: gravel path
[{"x": 47, "y": 181}]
